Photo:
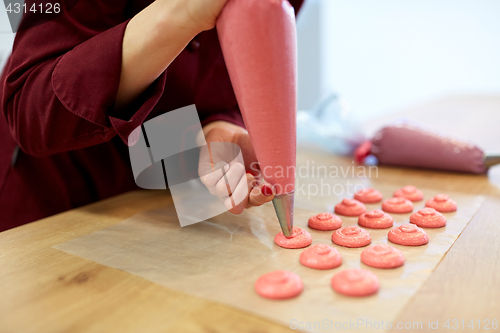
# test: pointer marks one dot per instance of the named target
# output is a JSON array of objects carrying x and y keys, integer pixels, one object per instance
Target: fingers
[
  {"x": 237, "y": 202},
  {"x": 260, "y": 195},
  {"x": 227, "y": 184},
  {"x": 211, "y": 175},
  {"x": 234, "y": 186},
  {"x": 246, "y": 194}
]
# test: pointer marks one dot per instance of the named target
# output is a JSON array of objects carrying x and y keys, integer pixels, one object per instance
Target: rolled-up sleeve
[{"x": 61, "y": 81}]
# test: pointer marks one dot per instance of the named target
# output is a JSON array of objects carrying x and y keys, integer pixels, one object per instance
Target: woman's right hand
[{"x": 236, "y": 188}]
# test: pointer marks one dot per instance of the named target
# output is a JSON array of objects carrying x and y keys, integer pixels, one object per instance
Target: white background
[{"x": 382, "y": 55}]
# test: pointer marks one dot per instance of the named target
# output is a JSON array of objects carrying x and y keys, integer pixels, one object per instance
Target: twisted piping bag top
[{"x": 258, "y": 41}]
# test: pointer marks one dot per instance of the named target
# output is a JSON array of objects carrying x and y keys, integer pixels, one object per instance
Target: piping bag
[
  {"x": 412, "y": 145},
  {"x": 258, "y": 42}
]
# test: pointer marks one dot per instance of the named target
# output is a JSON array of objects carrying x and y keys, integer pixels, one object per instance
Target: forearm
[{"x": 152, "y": 40}]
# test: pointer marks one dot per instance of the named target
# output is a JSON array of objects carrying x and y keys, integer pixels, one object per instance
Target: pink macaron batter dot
[
  {"x": 355, "y": 282},
  {"x": 428, "y": 218},
  {"x": 368, "y": 195},
  {"x": 409, "y": 235},
  {"x": 279, "y": 285},
  {"x": 397, "y": 205},
  {"x": 375, "y": 219},
  {"x": 382, "y": 256},
  {"x": 442, "y": 203},
  {"x": 325, "y": 221},
  {"x": 352, "y": 236},
  {"x": 350, "y": 207},
  {"x": 299, "y": 239},
  {"x": 320, "y": 256},
  {"x": 409, "y": 192}
]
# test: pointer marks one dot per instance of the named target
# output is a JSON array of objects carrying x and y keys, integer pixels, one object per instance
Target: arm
[
  {"x": 155, "y": 36},
  {"x": 66, "y": 74}
]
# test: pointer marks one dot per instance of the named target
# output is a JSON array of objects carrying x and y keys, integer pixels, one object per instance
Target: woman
[{"x": 78, "y": 82}]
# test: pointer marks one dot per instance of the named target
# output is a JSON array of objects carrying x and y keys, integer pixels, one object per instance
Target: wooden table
[{"x": 46, "y": 290}]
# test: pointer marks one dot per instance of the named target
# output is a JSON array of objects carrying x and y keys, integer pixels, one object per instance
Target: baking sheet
[{"x": 220, "y": 260}]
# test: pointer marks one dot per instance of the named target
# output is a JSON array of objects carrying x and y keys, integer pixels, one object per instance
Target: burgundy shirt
[{"x": 61, "y": 144}]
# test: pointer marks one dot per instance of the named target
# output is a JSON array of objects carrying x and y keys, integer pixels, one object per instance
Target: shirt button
[{"x": 193, "y": 46}]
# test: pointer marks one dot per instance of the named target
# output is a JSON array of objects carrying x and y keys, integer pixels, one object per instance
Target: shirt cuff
[
  {"x": 232, "y": 116},
  {"x": 93, "y": 70},
  {"x": 147, "y": 102}
]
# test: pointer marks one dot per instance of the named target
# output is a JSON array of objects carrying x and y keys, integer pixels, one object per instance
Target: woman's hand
[{"x": 244, "y": 189}]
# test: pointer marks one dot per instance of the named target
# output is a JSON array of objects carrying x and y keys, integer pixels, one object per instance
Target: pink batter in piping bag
[
  {"x": 411, "y": 145},
  {"x": 258, "y": 41}
]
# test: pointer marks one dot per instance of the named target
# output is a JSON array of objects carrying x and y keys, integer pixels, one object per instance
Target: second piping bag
[
  {"x": 258, "y": 41},
  {"x": 410, "y": 144}
]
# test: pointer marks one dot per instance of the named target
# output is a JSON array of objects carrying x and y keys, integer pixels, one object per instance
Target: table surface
[{"x": 46, "y": 290}]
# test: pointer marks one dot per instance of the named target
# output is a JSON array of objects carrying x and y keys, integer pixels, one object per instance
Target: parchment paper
[{"x": 221, "y": 259}]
